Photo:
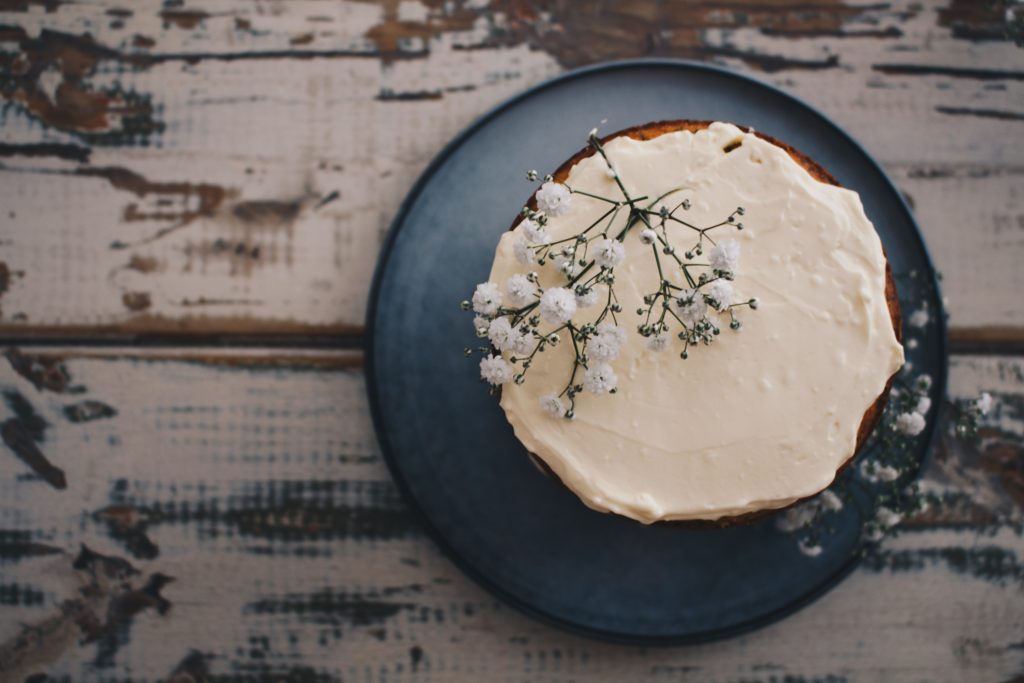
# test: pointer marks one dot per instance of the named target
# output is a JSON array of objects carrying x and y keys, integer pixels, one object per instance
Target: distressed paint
[
  {"x": 249, "y": 225},
  {"x": 253, "y": 479},
  {"x": 227, "y": 170}
]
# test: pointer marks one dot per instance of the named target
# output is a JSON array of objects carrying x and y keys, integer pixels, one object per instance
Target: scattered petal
[
  {"x": 887, "y": 517},
  {"x": 918, "y": 318},
  {"x": 808, "y": 548},
  {"x": 831, "y": 501},
  {"x": 797, "y": 516},
  {"x": 924, "y": 404},
  {"x": 886, "y": 473},
  {"x": 985, "y": 403},
  {"x": 911, "y": 424}
]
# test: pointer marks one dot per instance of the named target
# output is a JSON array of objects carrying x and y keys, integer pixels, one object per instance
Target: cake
[{"x": 684, "y": 403}]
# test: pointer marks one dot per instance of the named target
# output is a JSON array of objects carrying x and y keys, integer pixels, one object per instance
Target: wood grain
[
  {"x": 259, "y": 488},
  {"x": 224, "y": 172},
  {"x": 233, "y": 169}
]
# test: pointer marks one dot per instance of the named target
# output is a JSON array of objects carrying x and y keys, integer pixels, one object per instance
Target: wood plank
[
  {"x": 972, "y": 217},
  {"x": 236, "y": 166},
  {"x": 255, "y": 481}
]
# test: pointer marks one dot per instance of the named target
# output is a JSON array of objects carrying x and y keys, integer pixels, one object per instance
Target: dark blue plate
[{"x": 517, "y": 532}]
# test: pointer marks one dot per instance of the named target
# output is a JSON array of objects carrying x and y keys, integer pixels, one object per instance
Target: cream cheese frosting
[{"x": 762, "y": 417}]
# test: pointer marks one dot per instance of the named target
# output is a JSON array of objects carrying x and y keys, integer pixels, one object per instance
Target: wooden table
[{"x": 192, "y": 201}]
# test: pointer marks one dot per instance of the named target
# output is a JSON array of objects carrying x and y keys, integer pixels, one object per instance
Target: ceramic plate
[{"x": 516, "y": 531}]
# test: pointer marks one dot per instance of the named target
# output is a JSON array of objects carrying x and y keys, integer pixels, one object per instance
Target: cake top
[{"x": 761, "y": 417}]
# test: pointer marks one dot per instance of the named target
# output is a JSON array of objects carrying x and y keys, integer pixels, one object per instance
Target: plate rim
[{"x": 369, "y": 371}]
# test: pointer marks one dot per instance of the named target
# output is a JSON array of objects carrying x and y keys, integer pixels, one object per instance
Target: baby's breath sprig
[{"x": 694, "y": 293}]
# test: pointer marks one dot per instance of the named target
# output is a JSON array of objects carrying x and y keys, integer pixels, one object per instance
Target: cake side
[{"x": 654, "y": 130}]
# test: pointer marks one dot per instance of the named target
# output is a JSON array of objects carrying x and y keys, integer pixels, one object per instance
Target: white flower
[
  {"x": 520, "y": 290},
  {"x": 519, "y": 343},
  {"x": 725, "y": 256},
  {"x": 911, "y": 424},
  {"x": 480, "y": 325},
  {"x": 659, "y": 342},
  {"x": 616, "y": 331},
  {"x": 553, "y": 198},
  {"x": 875, "y": 534},
  {"x": 603, "y": 347},
  {"x": 609, "y": 253},
  {"x": 648, "y": 236},
  {"x": 524, "y": 254},
  {"x": 588, "y": 298},
  {"x": 887, "y": 517},
  {"x": 924, "y": 404},
  {"x": 830, "y": 501},
  {"x": 874, "y": 473},
  {"x": 486, "y": 298},
  {"x": 918, "y": 318},
  {"x": 552, "y": 405},
  {"x": 557, "y": 305},
  {"x": 886, "y": 473},
  {"x": 721, "y": 291},
  {"x": 796, "y": 516},
  {"x": 534, "y": 232},
  {"x": 690, "y": 306},
  {"x": 871, "y": 471},
  {"x": 501, "y": 334},
  {"x": 607, "y": 343},
  {"x": 809, "y": 549},
  {"x": 566, "y": 263},
  {"x": 600, "y": 379},
  {"x": 984, "y": 403},
  {"x": 924, "y": 380},
  {"x": 495, "y": 370},
  {"x": 911, "y": 344}
]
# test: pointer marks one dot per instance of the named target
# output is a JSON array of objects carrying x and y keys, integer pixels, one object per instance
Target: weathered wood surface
[
  {"x": 229, "y": 169},
  {"x": 232, "y": 167},
  {"x": 255, "y": 482}
]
